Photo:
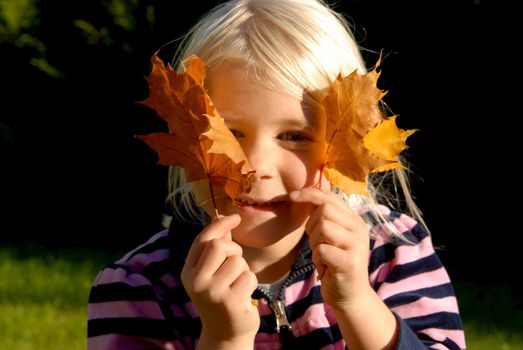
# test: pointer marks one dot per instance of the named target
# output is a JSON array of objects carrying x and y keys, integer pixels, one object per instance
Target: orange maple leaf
[
  {"x": 359, "y": 140},
  {"x": 192, "y": 142}
]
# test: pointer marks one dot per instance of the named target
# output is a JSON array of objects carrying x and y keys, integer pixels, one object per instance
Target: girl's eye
[
  {"x": 294, "y": 136},
  {"x": 236, "y": 133}
]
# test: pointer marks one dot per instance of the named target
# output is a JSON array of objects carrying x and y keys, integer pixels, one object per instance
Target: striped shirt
[{"x": 138, "y": 302}]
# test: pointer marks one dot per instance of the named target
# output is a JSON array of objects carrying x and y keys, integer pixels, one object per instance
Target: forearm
[
  {"x": 208, "y": 343},
  {"x": 367, "y": 324}
]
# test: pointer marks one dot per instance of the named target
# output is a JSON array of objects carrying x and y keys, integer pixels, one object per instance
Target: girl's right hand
[{"x": 220, "y": 283}]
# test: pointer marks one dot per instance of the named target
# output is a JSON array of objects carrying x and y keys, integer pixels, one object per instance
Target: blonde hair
[{"x": 292, "y": 46}]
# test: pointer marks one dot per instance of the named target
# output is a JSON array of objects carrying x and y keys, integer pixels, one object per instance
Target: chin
[
  {"x": 255, "y": 237},
  {"x": 267, "y": 233}
]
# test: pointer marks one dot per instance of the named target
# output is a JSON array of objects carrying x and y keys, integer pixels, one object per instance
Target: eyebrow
[{"x": 286, "y": 121}]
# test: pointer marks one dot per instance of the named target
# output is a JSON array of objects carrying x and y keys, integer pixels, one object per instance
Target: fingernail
[
  {"x": 235, "y": 217},
  {"x": 294, "y": 195}
]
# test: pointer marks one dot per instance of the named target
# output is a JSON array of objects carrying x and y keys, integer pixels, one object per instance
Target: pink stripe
[
  {"x": 139, "y": 261},
  {"x": 263, "y": 308},
  {"x": 384, "y": 209},
  {"x": 426, "y": 306},
  {"x": 316, "y": 316},
  {"x": 191, "y": 309},
  {"x": 170, "y": 281},
  {"x": 301, "y": 289},
  {"x": 401, "y": 225},
  {"x": 423, "y": 280},
  {"x": 114, "y": 341},
  {"x": 339, "y": 345},
  {"x": 379, "y": 240},
  {"x": 380, "y": 233},
  {"x": 266, "y": 341},
  {"x": 457, "y": 336},
  {"x": 403, "y": 255},
  {"x": 179, "y": 311},
  {"x": 439, "y": 346},
  {"x": 149, "y": 309},
  {"x": 149, "y": 241},
  {"x": 408, "y": 221},
  {"x": 120, "y": 275}
]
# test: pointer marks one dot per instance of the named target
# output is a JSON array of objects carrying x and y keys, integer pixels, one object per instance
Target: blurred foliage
[
  {"x": 71, "y": 73},
  {"x": 6, "y": 134},
  {"x": 16, "y": 16},
  {"x": 18, "y": 20}
]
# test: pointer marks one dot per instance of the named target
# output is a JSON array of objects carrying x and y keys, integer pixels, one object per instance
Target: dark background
[{"x": 72, "y": 175}]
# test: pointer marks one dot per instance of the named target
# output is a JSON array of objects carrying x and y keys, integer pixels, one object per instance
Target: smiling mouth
[{"x": 243, "y": 203}]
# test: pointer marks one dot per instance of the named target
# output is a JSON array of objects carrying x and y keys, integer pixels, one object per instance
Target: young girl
[{"x": 299, "y": 248}]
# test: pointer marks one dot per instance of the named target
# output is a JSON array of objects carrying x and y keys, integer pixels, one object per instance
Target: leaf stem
[
  {"x": 321, "y": 269},
  {"x": 216, "y": 214},
  {"x": 321, "y": 175}
]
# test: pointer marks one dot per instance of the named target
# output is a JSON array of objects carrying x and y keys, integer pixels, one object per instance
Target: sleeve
[
  {"x": 124, "y": 312},
  {"x": 413, "y": 283}
]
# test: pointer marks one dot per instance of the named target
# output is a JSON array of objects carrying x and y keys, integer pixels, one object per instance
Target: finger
[
  {"x": 315, "y": 196},
  {"x": 245, "y": 285},
  {"x": 214, "y": 255},
  {"x": 331, "y": 233},
  {"x": 330, "y": 212},
  {"x": 230, "y": 270},
  {"x": 220, "y": 228},
  {"x": 330, "y": 256}
]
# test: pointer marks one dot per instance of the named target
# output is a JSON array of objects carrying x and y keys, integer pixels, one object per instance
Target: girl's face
[{"x": 281, "y": 137}]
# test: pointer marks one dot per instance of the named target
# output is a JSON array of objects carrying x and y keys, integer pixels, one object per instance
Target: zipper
[{"x": 278, "y": 305}]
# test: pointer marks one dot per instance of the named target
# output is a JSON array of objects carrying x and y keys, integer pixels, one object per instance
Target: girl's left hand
[{"x": 339, "y": 240}]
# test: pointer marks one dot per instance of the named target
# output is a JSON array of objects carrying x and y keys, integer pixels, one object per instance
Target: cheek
[{"x": 301, "y": 171}]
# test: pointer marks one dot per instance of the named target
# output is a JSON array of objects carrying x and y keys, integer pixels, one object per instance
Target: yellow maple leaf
[{"x": 358, "y": 139}]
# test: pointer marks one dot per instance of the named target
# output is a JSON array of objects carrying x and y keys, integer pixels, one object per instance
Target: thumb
[{"x": 221, "y": 226}]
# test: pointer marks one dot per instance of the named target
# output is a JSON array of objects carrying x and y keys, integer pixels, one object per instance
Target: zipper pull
[{"x": 278, "y": 306}]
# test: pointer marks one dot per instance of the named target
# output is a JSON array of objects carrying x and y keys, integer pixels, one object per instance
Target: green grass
[
  {"x": 43, "y": 297},
  {"x": 492, "y": 316}
]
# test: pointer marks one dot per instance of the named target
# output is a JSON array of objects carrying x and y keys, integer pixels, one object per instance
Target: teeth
[{"x": 253, "y": 203}]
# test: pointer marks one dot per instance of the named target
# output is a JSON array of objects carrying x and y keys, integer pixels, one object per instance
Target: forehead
[{"x": 240, "y": 93}]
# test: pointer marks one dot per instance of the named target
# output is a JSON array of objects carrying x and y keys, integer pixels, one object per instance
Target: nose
[{"x": 263, "y": 158}]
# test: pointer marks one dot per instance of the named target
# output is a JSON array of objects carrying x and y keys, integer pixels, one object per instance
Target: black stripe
[
  {"x": 419, "y": 232},
  {"x": 451, "y": 344},
  {"x": 436, "y": 292},
  {"x": 408, "y": 235},
  {"x": 267, "y": 324},
  {"x": 317, "y": 339},
  {"x": 426, "y": 339},
  {"x": 155, "y": 270},
  {"x": 120, "y": 291},
  {"x": 185, "y": 326},
  {"x": 381, "y": 255},
  {"x": 443, "y": 320},
  {"x": 176, "y": 295},
  {"x": 402, "y": 271},
  {"x": 299, "y": 307},
  {"x": 137, "y": 327},
  {"x": 394, "y": 214},
  {"x": 386, "y": 252}
]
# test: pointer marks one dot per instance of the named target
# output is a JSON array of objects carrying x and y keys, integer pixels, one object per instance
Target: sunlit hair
[{"x": 291, "y": 46}]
